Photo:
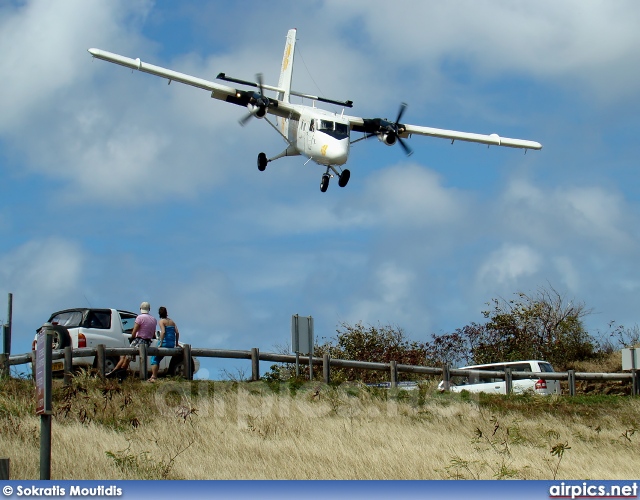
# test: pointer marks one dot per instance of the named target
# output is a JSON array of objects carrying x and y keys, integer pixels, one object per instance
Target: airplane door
[{"x": 311, "y": 136}]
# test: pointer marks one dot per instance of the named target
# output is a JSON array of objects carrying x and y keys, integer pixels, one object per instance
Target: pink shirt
[{"x": 147, "y": 328}]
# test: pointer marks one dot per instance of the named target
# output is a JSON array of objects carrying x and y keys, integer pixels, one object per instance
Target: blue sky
[{"x": 117, "y": 188}]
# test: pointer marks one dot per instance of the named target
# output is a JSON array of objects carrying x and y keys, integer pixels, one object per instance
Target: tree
[
  {"x": 540, "y": 326},
  {"x": 380, "y": 344}
]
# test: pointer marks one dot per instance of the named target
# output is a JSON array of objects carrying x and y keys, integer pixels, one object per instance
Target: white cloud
[
  {"x": 41, "y": 273},
  {"x": 409, "y": 195},
  {"x": 590, "y": 213},
  {"x": 507, "y": 265},
  {"x": 43, "y": 45},
  {"x": 568, "y": 273},
  {"x": 544, "y": 39}
]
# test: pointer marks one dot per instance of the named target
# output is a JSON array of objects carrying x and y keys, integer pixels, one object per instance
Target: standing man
[{"x": 144, "y": 331}]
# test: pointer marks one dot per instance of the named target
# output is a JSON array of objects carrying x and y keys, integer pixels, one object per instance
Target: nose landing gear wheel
[
  {"x": 324, "y": 183},
  {"x": 344, "y": 178},
  {"x": 262, "y": 162}
]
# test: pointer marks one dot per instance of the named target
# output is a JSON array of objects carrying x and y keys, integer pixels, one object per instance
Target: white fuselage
[{"x": 319, "y": 135}]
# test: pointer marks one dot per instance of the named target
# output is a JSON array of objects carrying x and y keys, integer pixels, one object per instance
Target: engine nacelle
[
  {"x": 388, "y": 138},
  {"x": 257, "y": 110}
]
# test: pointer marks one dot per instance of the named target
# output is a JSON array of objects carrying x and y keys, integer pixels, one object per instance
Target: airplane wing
[
  {"x": 218, "y": 91},
  {"x": 492, "y": 139},
  {"x": 389, "y": 131}
]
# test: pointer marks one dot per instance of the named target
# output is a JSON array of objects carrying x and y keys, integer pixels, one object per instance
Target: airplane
[{"x": 321, "y": 136}]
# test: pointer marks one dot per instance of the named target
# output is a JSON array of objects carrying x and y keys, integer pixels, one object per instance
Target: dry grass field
[{"x": 226, "y": 430}]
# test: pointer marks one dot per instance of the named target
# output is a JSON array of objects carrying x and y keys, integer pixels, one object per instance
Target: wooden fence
[{"x": 255, "y": 356}]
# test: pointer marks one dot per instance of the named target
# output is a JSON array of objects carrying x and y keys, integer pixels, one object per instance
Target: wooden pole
[
  {"x": 394, "y": 374},
  {"x": 508, "y": 380},
  {"x": 101, "y": 359},
  {"x": 571, "y": 377},
  {"x": 142, "y": 366},
  {"x": 446, "y": 377},
  {"x": 186, "y": 352},
  {"x": 68, "y": 365},
  {"x": 255, "y": 364},
  {"x": 326, "y": 367},
  {"x": 4, "y": 365}
]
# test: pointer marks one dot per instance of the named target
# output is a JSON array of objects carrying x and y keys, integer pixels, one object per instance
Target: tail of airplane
[{"x": 286, "y": 72}]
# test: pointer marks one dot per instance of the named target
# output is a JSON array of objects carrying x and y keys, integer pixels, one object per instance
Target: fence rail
[{"x": 446, "y": 372}]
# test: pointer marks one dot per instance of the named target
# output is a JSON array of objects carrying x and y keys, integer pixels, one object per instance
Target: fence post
[
  {"x": 571, "y": 377},
  {"x": 68, "y": 365},
  {"x": 508, "y": 379},
  {"x": 186, "y": 353},
  {"x": 255, "y": 364},
  {"x": 394, "y": 374},
  {"x": 326, "y": 368},
  {"x": 4, "y": 365},
  {"x": 4, "y": 469},
  {"x": 142, "y": 366},
  {"x": 446, "y": 377},
  {"x": 635, "y": 383},
  {"x": 101, "y": 359}
]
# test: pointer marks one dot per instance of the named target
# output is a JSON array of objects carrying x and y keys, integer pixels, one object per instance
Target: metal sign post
[
  {"x": 302, "y": 340},
  {"x": 5, "y": 341},
  {"x": 7, "y": 328},
  {"x": 43, "y": 396}
]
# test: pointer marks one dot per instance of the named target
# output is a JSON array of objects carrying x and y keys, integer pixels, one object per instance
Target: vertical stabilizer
[{"x": 286, "y": 72}]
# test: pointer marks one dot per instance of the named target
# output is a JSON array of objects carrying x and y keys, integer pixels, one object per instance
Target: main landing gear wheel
[
  {"x": 344, "y": 178},
  {"x": 324, "y": 183},
  {"x": 262, "y": 162}
]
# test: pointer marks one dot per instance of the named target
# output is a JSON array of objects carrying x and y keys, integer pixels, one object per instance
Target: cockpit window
[{"x": 337, "y": 130}]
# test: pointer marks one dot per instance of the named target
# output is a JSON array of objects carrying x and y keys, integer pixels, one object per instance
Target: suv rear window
[
  {"x": 99, "y": 319},
  {"x": 69, "y": 319},
  {"x": 546, "y": 367},
  {"x": 521, "y": 367}
]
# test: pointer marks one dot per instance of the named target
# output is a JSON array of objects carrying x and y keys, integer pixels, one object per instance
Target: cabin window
[
  {"x": 336, "y": 130},
  {"x": 342, "y": 128}
]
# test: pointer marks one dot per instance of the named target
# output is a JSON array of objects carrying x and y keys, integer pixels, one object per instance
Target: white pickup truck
[{"x": 90, "y": 327}]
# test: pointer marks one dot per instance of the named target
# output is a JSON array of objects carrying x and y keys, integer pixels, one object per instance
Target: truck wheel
[
  {"x": 61, "y": 337},
  {"x": 176, "y": 367},
  {"x": 109, "y": 364}
]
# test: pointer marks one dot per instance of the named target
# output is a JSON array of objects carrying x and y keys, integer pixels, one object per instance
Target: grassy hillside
[{"x": 226, "y": 430}]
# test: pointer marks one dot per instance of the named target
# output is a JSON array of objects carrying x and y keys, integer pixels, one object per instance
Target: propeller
[
  {"x": 259, "y": 101},
  {"x": 389, "y": 132},
  {"x": 393, "y": 131}
]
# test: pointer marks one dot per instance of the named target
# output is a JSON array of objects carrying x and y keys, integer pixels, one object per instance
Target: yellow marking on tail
[{"x": 287, "y": 54}]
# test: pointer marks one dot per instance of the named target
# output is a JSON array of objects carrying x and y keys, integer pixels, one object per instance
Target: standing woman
[{"x": 169, "y": 335}]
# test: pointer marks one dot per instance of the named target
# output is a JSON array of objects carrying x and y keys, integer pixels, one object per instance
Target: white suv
[
  {"x": 477, "y": 382},
  {"x": 89, "y": 327}
]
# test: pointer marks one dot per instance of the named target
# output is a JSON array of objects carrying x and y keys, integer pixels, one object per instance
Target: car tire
[
  {"x": 176, "y": 367},
  {"x": 61, "y": 337},
  {"x": 109, "y": 364}
]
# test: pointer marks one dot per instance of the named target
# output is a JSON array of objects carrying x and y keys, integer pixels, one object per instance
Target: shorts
[
  {"x": 135, "y": 343},
  {"x": 155, "y": 360}
]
